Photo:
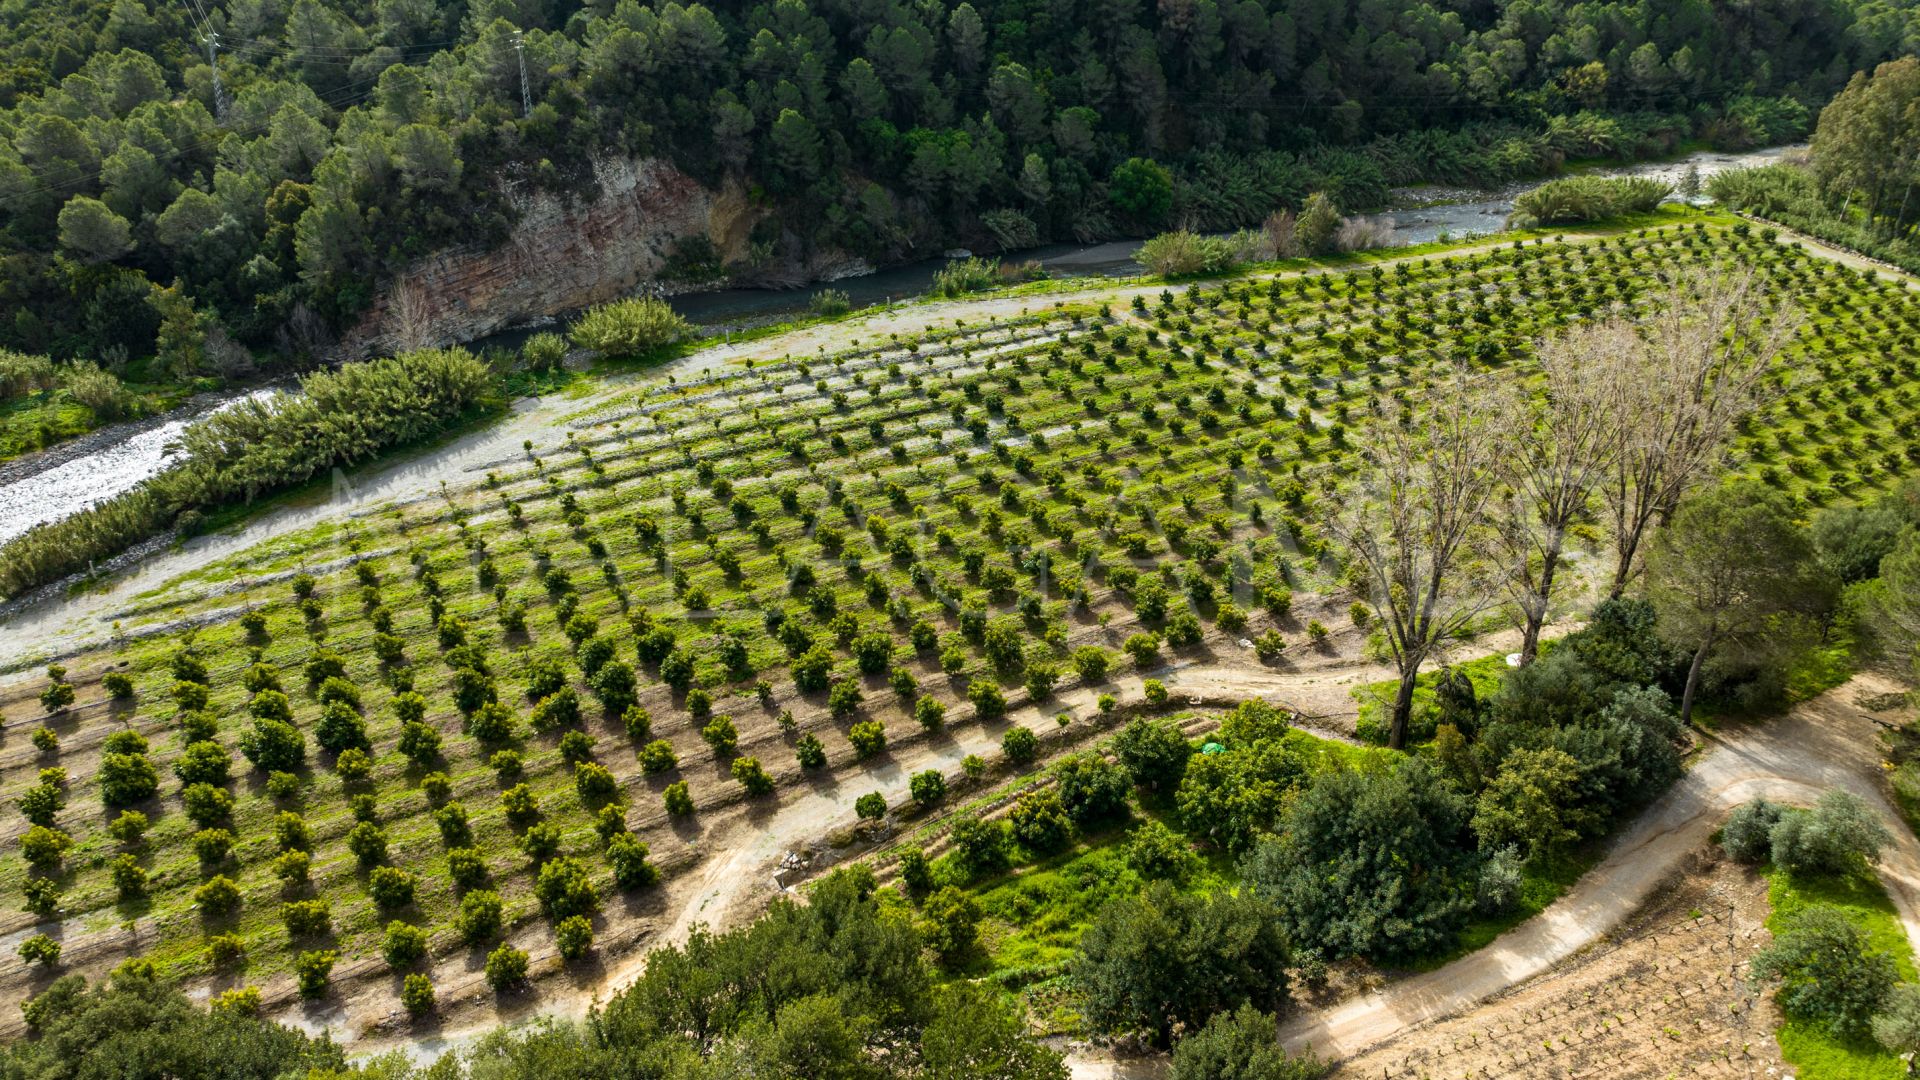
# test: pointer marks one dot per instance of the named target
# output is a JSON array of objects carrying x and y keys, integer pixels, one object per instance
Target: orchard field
[{"x": 507, "y": 713}]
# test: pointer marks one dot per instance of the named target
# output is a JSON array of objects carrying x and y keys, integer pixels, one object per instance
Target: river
[{"x": 99, "y": 466}]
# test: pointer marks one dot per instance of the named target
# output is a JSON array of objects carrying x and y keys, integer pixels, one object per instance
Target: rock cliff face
[{"x": 561, "y": 256}]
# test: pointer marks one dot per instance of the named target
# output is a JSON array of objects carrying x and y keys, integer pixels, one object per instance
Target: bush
[
  {"x": 1243, "y": 1044},
  {"x": 1020, "y": 745},
  {"x": 467, "y": 867},
  {"x": 627, "y": 854},
  {"x": 752, "y": 776},
  {"x": 213, "y": 845},
  {"x": 506, "y": 968},
  {"x": 1155, "y": 691},
  {"x": 416, "y": 995},
  {"x": 314, "y": 970},
  {"x": 573, "y": 936},
  {"x": 1039, "y": 822},
  {"x": 390, "y": 886},
  {"x": 1138, "y": 963},
  {"x": 1157, "y": 853},
  {"x": 950, "y": 924},
  {"x": 564, "y": 888},
  {"x": 1827, "y": 973},
  {"x": 626, "y": 329},
  {"x": 44, "y": 847},
  {"x": 480, "y": 916},
  {"x": 1091, "y": 789},
  {"x": 1580, "y": 199},
  {"x": 928, "y": 787},
  {"x": 721, "y": 735},
  {"x": 1840, "y": 834},
  {"x": 868, "y": 737},
  {"x": 979, "y": 846},
  {"x": 127, "y": 778},
  {"x": 1154, "y": 752},
  {"x": 929, "y": 712},
  {"x": 306, "y": 917},
  {"x": 1747, "y": 836},
  {"x": 678, "y": 800},
  {"x": 404, "y": 946},
  {"x": 40, "y": 949},
  {"x": 870, "y": 807},
  {"x": 368, "y": 842}
]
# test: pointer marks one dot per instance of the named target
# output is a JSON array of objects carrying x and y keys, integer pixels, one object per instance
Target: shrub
[
  {"x": 127, "y": 778},
  {"x": 1157, "y": 853},
  {"x": 987, "y": 700},
  {"x": 810, "y": 752},
  {"x": 44, "y": 847},
  {"x": 404, "y": 946},
  {"x": 870, "y": 807},
  {"x": 678, "y": 800},
  {"x": 129, "y": 878},
  {"x": 541, "y": 841},
  {"x": 207, "y": 805},
  {"x": 627, "y": 854},
  {"x": 467, "y": 867},
  {"x": 40, "y": 949},
  {"x": 1155, "y": 691},
  {"x": 274, "y": 746},
  {"x": 752, "y": 776},
  {"x": 203, "y": 763},
  {"x": 658, "y": 756},
  {"x": 1747, "y": 836},
  {"x": 625, "y": 329},
  {"x": 390, "y": 886},
  {"x": 844, "y": 697},
  {"x": 416, "y": 995},
  {"x": 480, "y": 916},
  {"x": 506, "y": 968},
  {"x": 1578, "y": 199},
  {"x": 314, "y": 970},
  {"x": 1840, "y": 834},
  {"x": 1091, "y": 789},
  {"x": 226, "y": 951},
  {"x": 1242, "y": 1043},
  {"x": 979, "y": 846},
  {"x": 1020, "y": 745},
  {"x": 305, "y": 918},
  {"x": 213, "y": 845},
  {"x": 129, "y": 829},
  {"x": 721, "y": 735},
  {"x": 928, "y": 787},
  {"x": 1828, "y": 973},
  {"x": 573, "y": 937},
  {"x": 291, "y": 868},
  {"x": 1040, "y": 822},
  {"x": 868, "y": 737},
  {"x": 1143, "y": 649},
  {"x": 353, "y": 765},
  {"x": 564, "y": 889}
]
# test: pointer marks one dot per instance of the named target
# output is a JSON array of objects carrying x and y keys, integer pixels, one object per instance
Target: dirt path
[{"x": 1829, "y": 742}]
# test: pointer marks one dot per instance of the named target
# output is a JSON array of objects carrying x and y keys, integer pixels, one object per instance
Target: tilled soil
[{"x": 1665, "y": 995}]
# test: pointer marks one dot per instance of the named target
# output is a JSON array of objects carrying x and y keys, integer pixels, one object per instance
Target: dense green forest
[{"x": 155, "y": 216}]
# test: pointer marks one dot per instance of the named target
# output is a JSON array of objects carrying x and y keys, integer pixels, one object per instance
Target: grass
[{"x": 1817, "y": 1054}]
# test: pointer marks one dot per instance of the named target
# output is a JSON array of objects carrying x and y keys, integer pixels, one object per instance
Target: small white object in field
[{"x": 1513, "y": 659}]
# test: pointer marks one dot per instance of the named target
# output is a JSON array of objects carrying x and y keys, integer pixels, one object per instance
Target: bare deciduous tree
[
  {"x": 1678, "y": 385},
  {"x": 1412, "y": 534},
  {"x": 1555, "y": 449},
  {"x": 410, "y": 316}
]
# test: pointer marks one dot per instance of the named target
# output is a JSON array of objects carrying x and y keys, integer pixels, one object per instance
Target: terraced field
[{"x": 582, "y": 675}]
